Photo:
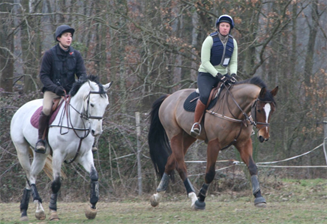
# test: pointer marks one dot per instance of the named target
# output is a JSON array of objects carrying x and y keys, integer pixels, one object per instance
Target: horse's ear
[
  {"x": 107, "y": 86},
  {"x": 274, "y": 91},
  {"x": 262, "y": 92},
  {"x": 90, "y": 84}
]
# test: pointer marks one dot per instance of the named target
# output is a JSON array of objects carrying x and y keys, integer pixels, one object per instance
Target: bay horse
[
  {"x": 230, "y": 122},
  {"x": 70, "y": 137}
]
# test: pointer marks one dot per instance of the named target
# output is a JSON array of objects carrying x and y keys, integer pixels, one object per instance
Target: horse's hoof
[
  {"x": 261, "y": 205},
  {"x": 153, "y": 201},
  {"x": 260, "y": 202},
  {"x": 24, "y": 218},
  {"x": 199, "y": 205},
  {"x": 53, "y": 216},
  {"x": 90, "y": 213},
  {"x": 40, "y": 215}
]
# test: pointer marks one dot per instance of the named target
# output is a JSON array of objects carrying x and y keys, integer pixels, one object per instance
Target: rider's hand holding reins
[
  {"x": 60, "y": 91},
  {"x": 226, "y": 79},
  {"x": 221, "y": 78},
  {"x": 233, "y": 78}
]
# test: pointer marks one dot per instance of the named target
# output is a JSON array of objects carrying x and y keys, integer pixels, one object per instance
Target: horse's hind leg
[
  {"x": 24, "y": 204},
  {"x": 179, "y": 145},
  {"x": 246, "y": 155},
  {"x": 22, "y": 149},
  {"x": 183, "y": 141},
  {"x": 25, "y": 163}
]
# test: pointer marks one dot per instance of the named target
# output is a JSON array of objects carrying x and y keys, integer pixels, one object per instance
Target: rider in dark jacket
[{"x": 61, "y": 66}]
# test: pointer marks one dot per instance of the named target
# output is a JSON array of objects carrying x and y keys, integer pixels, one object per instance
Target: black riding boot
[{"x": 43, "y": 126}]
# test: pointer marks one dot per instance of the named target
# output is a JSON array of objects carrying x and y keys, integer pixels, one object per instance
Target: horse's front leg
[
  {"x": 91, "y": 211},
  {"x": 57, "y": 160},
  {"x": 55, "y": 187},
  {"x": 88, "y": 164},
  {"x": 212, "y": 154},
  {"x": 246, "y": 155}
]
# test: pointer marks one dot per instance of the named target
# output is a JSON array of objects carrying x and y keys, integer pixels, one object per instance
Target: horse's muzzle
[
  {"x": 95, "y": 133},
  {"x": 262, "y": 139}
]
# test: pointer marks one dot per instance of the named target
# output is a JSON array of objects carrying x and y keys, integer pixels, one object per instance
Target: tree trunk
[{"x": 6, "y": 49}]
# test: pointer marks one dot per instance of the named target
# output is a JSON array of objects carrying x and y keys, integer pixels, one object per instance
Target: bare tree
[{"x": 6, "y": 47}]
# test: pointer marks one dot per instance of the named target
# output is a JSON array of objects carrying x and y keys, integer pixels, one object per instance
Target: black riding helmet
[
  {"x": 227, "y": 19},
  {"x": 63, "y": 29}
]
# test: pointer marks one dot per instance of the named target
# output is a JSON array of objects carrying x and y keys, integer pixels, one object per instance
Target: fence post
[
  {"x": 325, "y": 138},
  {"x": 138, "y": 155}
]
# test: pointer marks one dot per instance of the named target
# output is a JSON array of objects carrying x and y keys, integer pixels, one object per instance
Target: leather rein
[
  {"x": 252, "y": 119},
  {"x": 83, "y": 115}
]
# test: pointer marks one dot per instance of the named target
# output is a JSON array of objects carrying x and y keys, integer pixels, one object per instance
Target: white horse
[{"x": 70, "y": 137}]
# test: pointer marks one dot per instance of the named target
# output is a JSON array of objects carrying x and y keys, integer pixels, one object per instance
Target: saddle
[
  {"x": 54, "y": 111},
  {"x": 190, "y": 102}
]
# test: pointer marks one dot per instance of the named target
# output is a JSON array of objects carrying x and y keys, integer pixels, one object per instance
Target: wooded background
[{"x": 148, "y": 48}]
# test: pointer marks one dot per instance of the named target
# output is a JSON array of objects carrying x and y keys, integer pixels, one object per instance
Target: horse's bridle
[
  {"x": 254, "y": 106},
  {"x": 253, "y": 115},
  {"x": 254, "y": 112},
  {"x": 84, "y": 115}
]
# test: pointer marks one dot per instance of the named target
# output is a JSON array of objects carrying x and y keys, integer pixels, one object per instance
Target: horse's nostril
[{"x": 261, "y": 139}]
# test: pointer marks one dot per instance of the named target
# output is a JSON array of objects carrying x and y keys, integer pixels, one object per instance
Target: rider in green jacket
[{"x": 218, "y": 58}]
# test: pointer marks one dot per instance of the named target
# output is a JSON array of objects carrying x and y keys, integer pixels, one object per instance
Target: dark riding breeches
[{"x": 205, "y": 84}]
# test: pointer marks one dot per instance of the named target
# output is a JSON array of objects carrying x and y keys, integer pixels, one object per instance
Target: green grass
[{"x": 295, "y": 201}]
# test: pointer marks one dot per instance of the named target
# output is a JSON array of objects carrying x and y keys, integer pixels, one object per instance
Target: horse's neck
[
  {"x": 244, "y": 95},
  {"x": 76, "y": 107}
]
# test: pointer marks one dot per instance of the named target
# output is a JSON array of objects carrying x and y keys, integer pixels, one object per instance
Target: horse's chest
[{"x": 70, "y": 144}]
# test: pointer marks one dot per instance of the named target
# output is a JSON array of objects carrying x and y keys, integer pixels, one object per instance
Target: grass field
[{"x": 302, "y": 201}]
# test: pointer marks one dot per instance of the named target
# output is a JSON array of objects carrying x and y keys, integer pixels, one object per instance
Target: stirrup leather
[{"x": 192, "y": 129}]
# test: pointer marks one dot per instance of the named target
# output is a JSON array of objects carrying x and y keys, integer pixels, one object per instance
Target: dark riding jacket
[{"x": 59, "y": 67}]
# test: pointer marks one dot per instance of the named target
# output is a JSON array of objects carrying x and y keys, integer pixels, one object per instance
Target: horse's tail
[{"x": 158, "y": 139}]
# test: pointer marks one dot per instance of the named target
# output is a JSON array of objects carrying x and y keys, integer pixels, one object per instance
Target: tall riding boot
[
  {"x": 43, "y": 126},
  {"x": 198, "y": 114}
]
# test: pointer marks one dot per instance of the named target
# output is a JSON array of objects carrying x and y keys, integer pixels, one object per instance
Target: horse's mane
[
  {"x": 255, "y": 81},
  {"x": 83, "y": 79},
  {"x": 259, "y": 82}
]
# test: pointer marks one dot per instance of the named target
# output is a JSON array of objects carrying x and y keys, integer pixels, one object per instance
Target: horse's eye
[
  {"x": 259, "y": 111},
  {"x": 92, "y": 105}
]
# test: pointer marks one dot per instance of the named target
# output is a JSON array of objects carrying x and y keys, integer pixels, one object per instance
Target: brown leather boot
[
  {"x": 43, "y": 126},
  {"x": 199, "y": 110}
]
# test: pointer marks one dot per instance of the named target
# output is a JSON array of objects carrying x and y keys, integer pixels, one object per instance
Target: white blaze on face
[{"x": 267, "y": 109}]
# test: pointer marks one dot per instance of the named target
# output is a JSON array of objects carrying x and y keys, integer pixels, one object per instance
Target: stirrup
[
  {"x": 40, "y": 148},
  {"x": 197, "y": 131}
]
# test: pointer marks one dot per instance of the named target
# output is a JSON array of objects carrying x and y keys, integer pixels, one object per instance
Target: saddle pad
[
  {"x": 36, "y": 115},
  {"x": 190, "y": 102}
]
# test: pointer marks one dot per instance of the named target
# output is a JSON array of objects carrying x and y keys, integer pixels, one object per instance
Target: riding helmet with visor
[
  {"x": 63, "y": 29},
  {"x": 227, "y": 19}
]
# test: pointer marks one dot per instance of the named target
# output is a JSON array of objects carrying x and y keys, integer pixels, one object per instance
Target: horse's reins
[
  {"x": 85, "y": 116},
  {"x": 253, "y": 115},
  {"x": 243, "y": 122}
]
